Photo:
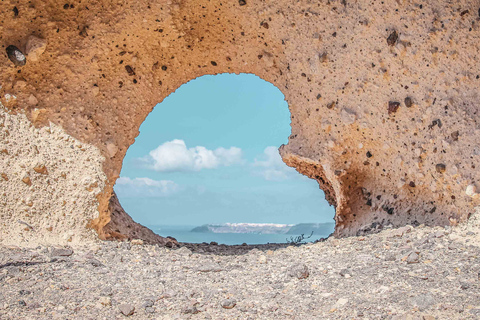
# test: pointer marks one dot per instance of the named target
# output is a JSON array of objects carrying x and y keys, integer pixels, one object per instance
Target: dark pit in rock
[{"x": 16, "y": 56}]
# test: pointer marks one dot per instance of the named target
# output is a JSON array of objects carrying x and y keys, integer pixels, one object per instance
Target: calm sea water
[{"x": 183, "y": 234}]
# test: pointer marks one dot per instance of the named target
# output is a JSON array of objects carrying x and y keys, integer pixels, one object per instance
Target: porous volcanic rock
[{"x": 379, "y": 93}]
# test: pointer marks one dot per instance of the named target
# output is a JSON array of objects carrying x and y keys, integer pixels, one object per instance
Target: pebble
[
  {"x": 61, "y": 252},
  {"x": 299, "y": 271},
  {"x": 392, "y": 38},
  {"x": 190, "y": 309},
  {"x": 105, "y": 301},
  {"x": 345, "y": 273},
  {"x": 423, "y": 301},
  {"x": 209, "y": 268},
  {"x": 126, "y": 309},
  {"x": 149, "y": 310},
  {"x": 471, "y": 190},
  {"x": 147, "y": 303},
  {"x": 340, "y": 302},
  {"x": 228, "y": 303},
  {"x": 94, "y": 262},
  {"x": 393, "y": 107},
  {"x": 16, "y": 56},
  {"x": 137, "y": 242},
  {"x": 413, "y": 257},
  {"x": 262, "y": 259}
]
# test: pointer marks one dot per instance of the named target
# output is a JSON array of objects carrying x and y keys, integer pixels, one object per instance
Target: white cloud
[
  {"x": 145, "y": 187},
  {"x": 174, "y": 156},
  {"x": 273, "y": 167}
]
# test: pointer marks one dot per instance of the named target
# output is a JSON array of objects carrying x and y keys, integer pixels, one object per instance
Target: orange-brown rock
[{"x": 380, "y": 93}]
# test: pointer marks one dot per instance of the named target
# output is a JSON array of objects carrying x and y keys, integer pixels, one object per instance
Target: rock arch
[{"x": 383, "y": 98}]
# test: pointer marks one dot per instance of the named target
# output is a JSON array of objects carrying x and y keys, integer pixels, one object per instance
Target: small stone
[
  {"x": 440, "y": 168},
  {"x": 61, "y": 252},
  {"x": 190, "y": 309},
  {"x": 137, "y": 242},
  {"x": 16, "y": 56},
  {"x": 126, "y": 309},
  {"x": 10, "y": 97},
  {"x": 471, "y": 190},
  {"x": 392, "y": 38},
  {"x": 244, "y": 2},
  {"x": 41, "y": 169},
  {"x": 393, "y": 106},
  {"x": 454, "y": 246},
  {"x": 299, "y": 271},
  {"x": 35, "y": 47},
  {"x": 408, "y": 102},
  {"x": 455, "y": 135},
  {"x": 400, "y": 231},
  {"x": 32, "y": 100},
  {"x": 149, "y": 310},
  {"x": 413, "y": 257},
  {"x": 345, "y": 273},
  {"x": 24, "y": 292},
  {"x": 126, "y": 245},
  {"x": 390, "y": 257},
  {"x": 112, "y": 150},
  {"x": 94, "y": 262},
  {"x": 229, "y": 303},
  {"x": 209, "y": 268},
  {"x": 464, "y": 285},
  {"x": 22, "y": 303},
  {"x": 105, "y": 301},
  {"x": 347, "y": 116},
  {"x": 262, "y": 259},
  {"x": 129, "y": 70},
  {"x": 439, "y": 234},
  {"x": 340, "y": 303},
  {"x": 147, "y": 303},
  {"x": 428, "y": 317},
  {"x": 423, "y": 301}
]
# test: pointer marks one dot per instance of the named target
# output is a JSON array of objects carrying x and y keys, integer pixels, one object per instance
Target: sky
[{"x": 208, "y": 154}]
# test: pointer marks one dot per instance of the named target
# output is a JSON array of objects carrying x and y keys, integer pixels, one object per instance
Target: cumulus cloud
[
  {"x": 145, "y": 187},
  {"x": 175, "y": 156},
  {"x": 273, "y": 167}
]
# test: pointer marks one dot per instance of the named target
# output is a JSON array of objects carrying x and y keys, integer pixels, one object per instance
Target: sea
[{"x": 184, "y": 234}]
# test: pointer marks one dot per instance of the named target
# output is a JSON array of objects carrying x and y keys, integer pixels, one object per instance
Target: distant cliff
[{"x": 268, "y": 228}]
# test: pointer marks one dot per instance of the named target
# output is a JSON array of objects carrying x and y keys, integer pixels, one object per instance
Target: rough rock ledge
[{"x": 383, "y": 99}]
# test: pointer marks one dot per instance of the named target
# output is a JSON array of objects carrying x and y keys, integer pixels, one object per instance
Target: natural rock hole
[{"x": 206, "y": 168}]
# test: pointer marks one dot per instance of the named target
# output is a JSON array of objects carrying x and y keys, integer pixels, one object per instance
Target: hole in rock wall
[{"x": 206, "y": 167}]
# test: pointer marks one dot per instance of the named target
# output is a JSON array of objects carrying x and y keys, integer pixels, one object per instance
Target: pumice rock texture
[{"x": 383, "y": 96}]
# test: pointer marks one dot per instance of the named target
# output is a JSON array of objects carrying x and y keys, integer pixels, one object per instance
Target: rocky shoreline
[{"x": 406, "y": 273}]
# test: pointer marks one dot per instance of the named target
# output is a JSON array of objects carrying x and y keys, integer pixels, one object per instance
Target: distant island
[{"x": 268, "y": 228}]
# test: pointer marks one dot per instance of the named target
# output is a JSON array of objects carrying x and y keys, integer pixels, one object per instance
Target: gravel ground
[{"x": 407, "y": 273}]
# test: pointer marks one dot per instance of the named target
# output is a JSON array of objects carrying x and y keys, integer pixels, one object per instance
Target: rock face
[
  {"x": 122, "y": 227},
  {"x": 383, "y": 96}
]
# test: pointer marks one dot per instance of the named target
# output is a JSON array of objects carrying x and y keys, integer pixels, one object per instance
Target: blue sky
[{"x": 208, "y": 154}]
